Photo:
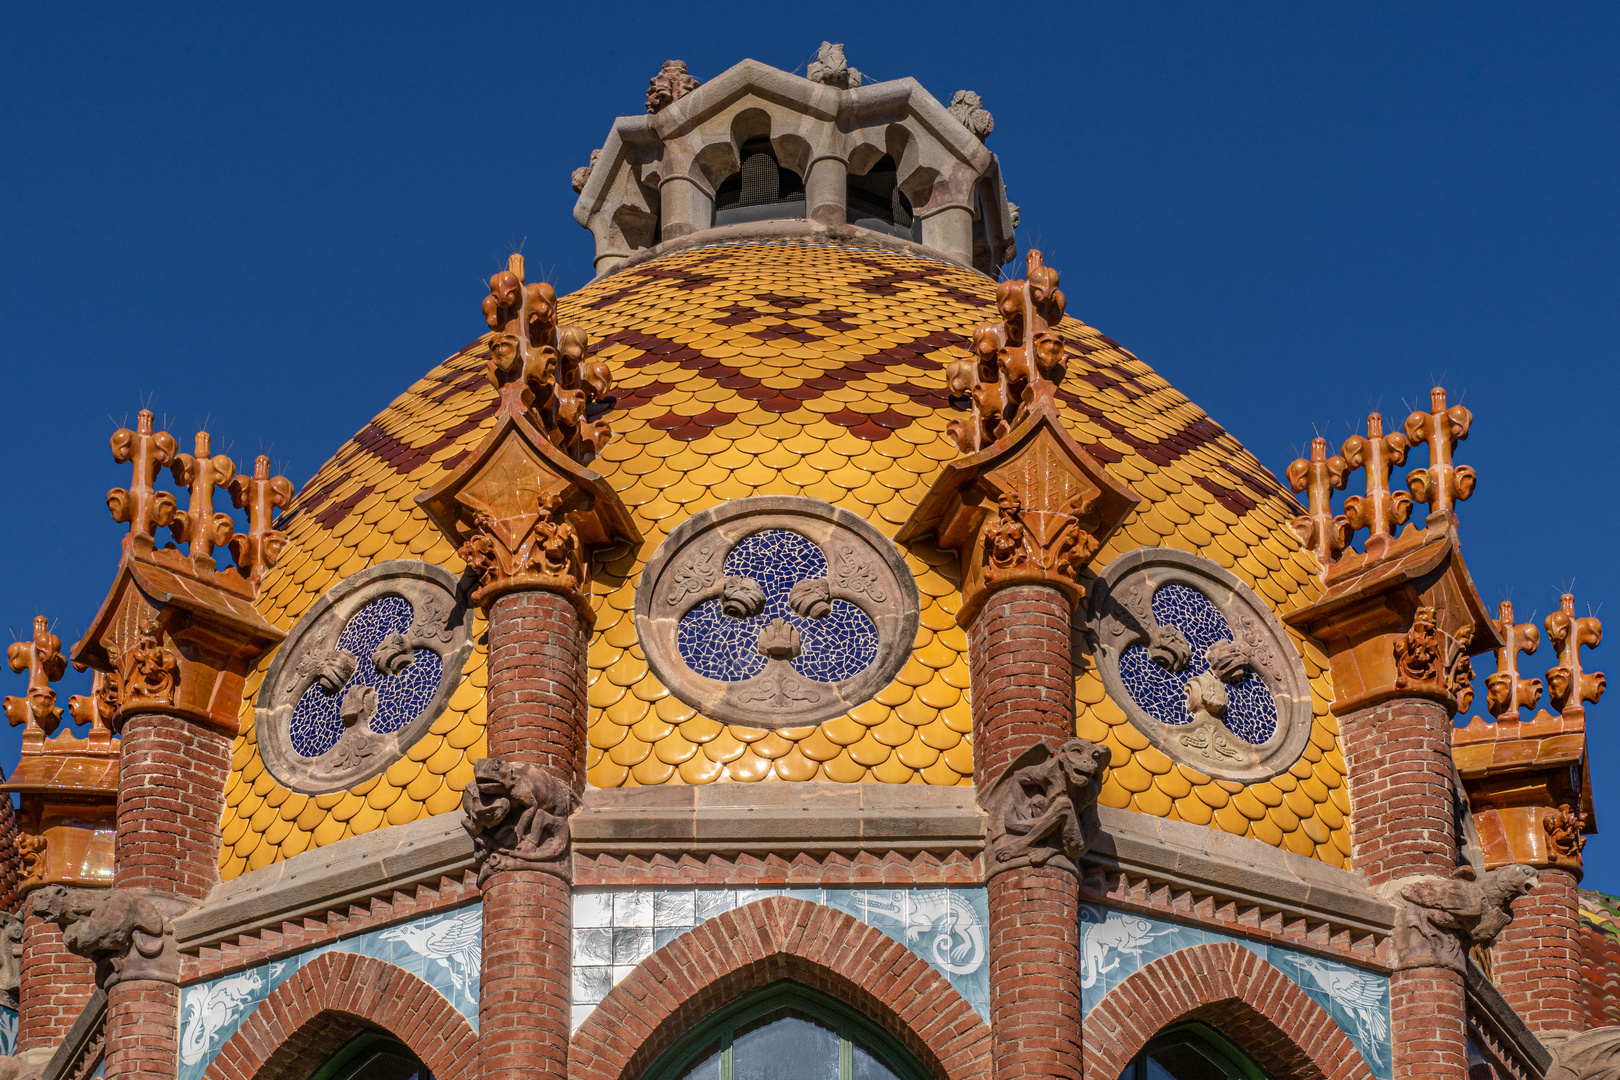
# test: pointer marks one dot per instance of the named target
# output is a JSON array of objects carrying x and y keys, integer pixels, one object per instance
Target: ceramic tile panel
[
  {"x": 616, "y": 929},
  {"x": 8, "y": 1031},
  {"x": 790, "y": 369},
  {"x": 1116, "y": 944},
  {"x": 444, "y": 950}
]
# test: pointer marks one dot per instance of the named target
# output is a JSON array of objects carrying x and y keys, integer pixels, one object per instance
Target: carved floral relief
[
  {"x": 776, "y": 611},
  {"x": 1199, "y": 664}
]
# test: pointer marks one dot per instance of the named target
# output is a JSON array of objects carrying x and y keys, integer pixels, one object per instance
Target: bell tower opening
[
  {"x": 762, "y": 190},
  {"x": 874, "y": 201}
]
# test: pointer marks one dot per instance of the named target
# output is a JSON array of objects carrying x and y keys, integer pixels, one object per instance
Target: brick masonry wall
[
  {"x": 171, "y": 792},
  {"x": 55, "y": 986},
  {"x": 1231, "y": 988},
  {"x": 537, "y": 682},
  {"x": 536, "y": 702},
  {"x": 317, "y": 1010},
  {"x": 772, "y": 939},
  {"x": 1021, "y": 670},
  {"x": 1536, "y": 961},
  {"x": 1402, "y": 824},
  {"x": 1022, "y": 677}
]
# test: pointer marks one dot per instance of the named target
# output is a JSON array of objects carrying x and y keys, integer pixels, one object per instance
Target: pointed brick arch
[
  {"x": 766, "y": 941},
  {"x": 1234, "y": 991},
  {"x": 332, "y": 999}
]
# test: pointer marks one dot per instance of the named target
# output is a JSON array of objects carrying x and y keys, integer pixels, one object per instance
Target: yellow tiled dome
[{"x": 789, "y": 368}]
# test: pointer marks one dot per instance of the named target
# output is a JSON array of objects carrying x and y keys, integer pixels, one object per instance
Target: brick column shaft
[
  {"x": 55, "y": 986},
  {"x": 536, "y": 702},
  {"x": 171, "y": 793},
  {"x": 1403, "y": 824},
  {"x": 1022, "y": 677},
  {"x": 1536, "y": 961}
]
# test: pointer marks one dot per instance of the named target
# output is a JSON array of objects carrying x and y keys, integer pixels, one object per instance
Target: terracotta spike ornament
[
  {"x": 1319, "y": 476},
  {"x": 41, "y": 657},
  {"x": 523, "y": 510},
  {"x": 261, "y": 495},
  {"x": 1380, "y": 510},
  {"x": 1505, "y": 692},
  {"x": 1442, "y": 484},
  {"x": 1569, "y": 684},
  {"x": 1026, "y": 504},
  {"x": 140, "y": 506},
  {"x": 199, "y": 527}
]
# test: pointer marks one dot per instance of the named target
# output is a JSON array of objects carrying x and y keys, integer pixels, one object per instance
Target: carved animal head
[
  {"x": 489, "y": 799},
  {"x": 1206, "y": 694},
  {"x": 1081, "y": 764}
]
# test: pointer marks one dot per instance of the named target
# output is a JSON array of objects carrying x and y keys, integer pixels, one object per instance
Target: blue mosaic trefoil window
[
  {"x": 1251, "y": 712},
  {"x": 316, "y": 725},
  {"x": 838, "y": 646}
]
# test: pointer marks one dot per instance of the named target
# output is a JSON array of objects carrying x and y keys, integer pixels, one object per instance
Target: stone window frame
[
  {"x": 417, "y": 582},
  {"x": 686, "y": 570},
  {"x": 1285, "y": 676}
]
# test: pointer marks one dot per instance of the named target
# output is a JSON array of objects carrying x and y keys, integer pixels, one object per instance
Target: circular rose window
[
  {"x": 363, "y": 675},
  {"x": 776, "y": 611},
  {"x": 1200, "y": 665}
]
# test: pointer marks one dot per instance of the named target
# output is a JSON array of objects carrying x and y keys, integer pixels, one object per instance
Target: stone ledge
[
  {"x": 1180, "y": 854},
  {"x": 802, "y": 230},
  {"x": 334, "y": 876}
]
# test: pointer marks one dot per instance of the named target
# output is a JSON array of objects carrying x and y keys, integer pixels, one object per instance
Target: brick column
[
  {"x": 1536, "y": 961},
  {"x": 536, "y": 701},
  {"x": 1403, "y": 824},
  {"x": 171, "y": 793},
  {"x": 55, "y": 986},
  {"x": 1022, "y": 680}
]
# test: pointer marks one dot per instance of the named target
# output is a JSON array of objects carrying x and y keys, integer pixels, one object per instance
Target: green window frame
[
  {"x": 851, "y": 1026},
  {"x": 360, "y": 1051},
  {"x": 1220, "y": 1051}
]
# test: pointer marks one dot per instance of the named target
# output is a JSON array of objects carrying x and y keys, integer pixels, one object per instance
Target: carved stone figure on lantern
[
  {"x": 517, "y": 815},
  {"x": 124, "y": 932},
  {"x": 1043, "y": 807},
  {"x": 968, "y": 107},
  {"x": 672, "y": 83},
  {"x": 829, "y": 68},
  {"x": 1439, "y": 919}
]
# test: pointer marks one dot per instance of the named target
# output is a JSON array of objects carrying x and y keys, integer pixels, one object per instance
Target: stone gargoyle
[
  {"x": 124, "y": 932},
  {"x": 1590, "y": 1055},
  {"x": 1043, "y": 807},
  {"x": 517, "y": 815},
  {"x": 1440, "y": 919}
]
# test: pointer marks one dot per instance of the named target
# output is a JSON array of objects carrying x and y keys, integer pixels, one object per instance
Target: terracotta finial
[
  {"x": 142, "y": 507},
  {"x": 1381, "y": 509},
  {"x": 261, "y": 495},
  {"x": 96, "y": 708},
  {"x": 199, "y": 526},
  {"x": 1569, "y": 685},
  {"x": 37, "y": 713},
  {"x": 538, "y": 365},
  {"x": 1505, "y": 692},
  {"x": 1319, "y": 528},
  {"x": 1442, "y": 484},
  {"x": 1019, "y": 361}
]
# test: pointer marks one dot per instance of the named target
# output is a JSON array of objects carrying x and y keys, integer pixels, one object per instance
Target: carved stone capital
[
  {"x": 1031, "y": 508},
  {"x": 1043, "y": 807},
  {"x": 1439, "y": 919},
  {"x": 1588, "y": 1055},
  {"x": 517, "y": 815},
  {"x": 125, "y": 932}
]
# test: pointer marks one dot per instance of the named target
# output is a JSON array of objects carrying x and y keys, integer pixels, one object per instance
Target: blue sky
[{"x": 273, "y": 219}]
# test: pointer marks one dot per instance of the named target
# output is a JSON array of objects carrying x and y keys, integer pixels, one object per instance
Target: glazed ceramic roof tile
[
  {"x": 1600, "y": 957},
  {"x": 785, "y": 368}
]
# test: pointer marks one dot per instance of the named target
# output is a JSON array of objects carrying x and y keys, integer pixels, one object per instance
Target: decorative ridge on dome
[{"x": 657, "y": 177}]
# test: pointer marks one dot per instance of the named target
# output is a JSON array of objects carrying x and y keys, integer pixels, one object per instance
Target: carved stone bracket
[
  {"x": 523, "y": 510},
  {"x": 1043, "y": 807},
  {"x": 517, "y": 815},
  {"x": 126, "y": 933},
  {"x": 1440, "y": 919}
]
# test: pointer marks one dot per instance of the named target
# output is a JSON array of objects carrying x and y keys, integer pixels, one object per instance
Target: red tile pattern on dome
[
  {"x": 1600, "y": 957},
  {"x": 793, "y": 369}
]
